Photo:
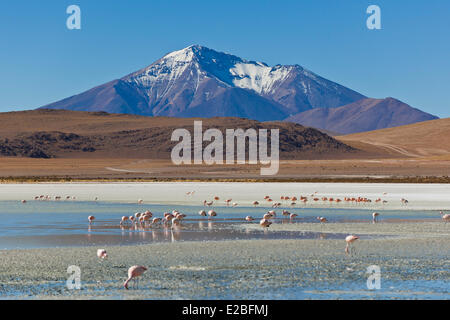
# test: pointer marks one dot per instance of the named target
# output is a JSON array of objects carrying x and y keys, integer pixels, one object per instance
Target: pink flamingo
[
  {"x": 124, "y": 220},
  {"x": 267, "y": 216},
  {"x": 322, "y": 219},
  {"x": 176, "y": 221},
  {"x": 255, "y": 203},
  {"x": 134, "y": 272},
  {"x": 202, "y": 213},
  {"x": 265, "y": 223},
  {"x": 91, "y": 219},
  {"x": 445, "y": 217},
  {"x": 249, "y": 218},
  {"x": 293, "y": 215},
  {"x": 212, "y": 213},
  {"x": 156, "y": 220},
  {"x": 101, "y": 254},
  {"x": 350, "y": 239}
]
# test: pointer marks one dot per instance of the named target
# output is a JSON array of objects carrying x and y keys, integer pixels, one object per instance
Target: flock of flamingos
[{"x": 173, "y": 219}]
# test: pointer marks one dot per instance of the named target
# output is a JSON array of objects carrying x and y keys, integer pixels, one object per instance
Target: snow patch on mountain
[{"x": 258, "y": 76}]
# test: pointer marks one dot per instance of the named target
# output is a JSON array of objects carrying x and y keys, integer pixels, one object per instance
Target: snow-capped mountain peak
[{"x": 198, "y": 81}]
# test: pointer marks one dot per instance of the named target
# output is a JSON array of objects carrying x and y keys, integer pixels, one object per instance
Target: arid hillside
[
  {"x": 48, "y": 133},
  {"x": 418, "y": 140}
]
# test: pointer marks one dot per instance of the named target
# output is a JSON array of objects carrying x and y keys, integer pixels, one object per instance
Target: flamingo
[
  {"x": 445, "y": 217},
  {"x": 267, "y": 216},
  {"x": 91, "y": 219},
  {"x": 124, "y": 220},
  {"x": 202, "y": 213},
  {"x": 140, "y": 201},
  {"x": 148, "y": 213},
  {"x": 180, "y": 216},
  {"x": 249, "y": 218},
  {"x": 255, "y": 203},
  {"x": 156, "y": 220},
  {"x": 265, "y": 223},
  {"x": 322, "y": 219},
  {"x": 375, "y": 217},
  {"x": 24, "y": 201},
  {"x": 349, "y": 239},
  {"x": 101, "y": 254},
  {"x": 212, "y": 213},
  {"x": 176, "y": 221},
  {"x": 134, "y": 272},
  {"x": 293, "y": 215}
]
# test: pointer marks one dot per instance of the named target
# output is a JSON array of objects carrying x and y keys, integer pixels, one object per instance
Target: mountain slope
[
  {"x": 197, "y": 80},
  {"x": 363, "y": 115}
]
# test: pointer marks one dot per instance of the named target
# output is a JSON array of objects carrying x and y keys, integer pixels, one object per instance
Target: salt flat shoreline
[{"x": 420, "y": 196}]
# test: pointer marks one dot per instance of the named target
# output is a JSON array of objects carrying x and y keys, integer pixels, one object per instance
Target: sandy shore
[
  {"x": 420, "y": 196},
  {"x": 245, "y": 269}
]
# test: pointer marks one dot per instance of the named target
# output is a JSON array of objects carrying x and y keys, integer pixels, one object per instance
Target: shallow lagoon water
[
  {"x": 38, "y": 224},
  {"x": 223, "y": 258}
]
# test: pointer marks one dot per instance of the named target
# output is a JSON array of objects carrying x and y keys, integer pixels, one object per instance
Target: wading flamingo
[
  {"x": 176, "y": 221},
  {"x": 202, "y": 213},
  {"x": 249, "y": 218},
  {"x": 349, "y": 239},
  {"x": 134, "y": 272},
  {"x": 267, "y": 216},
  {"x": 375, "y": 217},
  {"x": 212, "y": 213},
  {"x": 265, "y": 223},
  {"x": 445, "y": 217},
  {"x": 322, "y": 219},
  {"x": 124, "y": 220},
  {"x": 91, "y": 219}
]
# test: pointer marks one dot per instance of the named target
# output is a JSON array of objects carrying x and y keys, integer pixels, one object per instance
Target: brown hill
[
  {"x": 423, "y": 139},
  {"x": 49, "y": 133}
]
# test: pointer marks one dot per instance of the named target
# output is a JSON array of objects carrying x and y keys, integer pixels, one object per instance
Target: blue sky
[{"x": 409, "y": 59}]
